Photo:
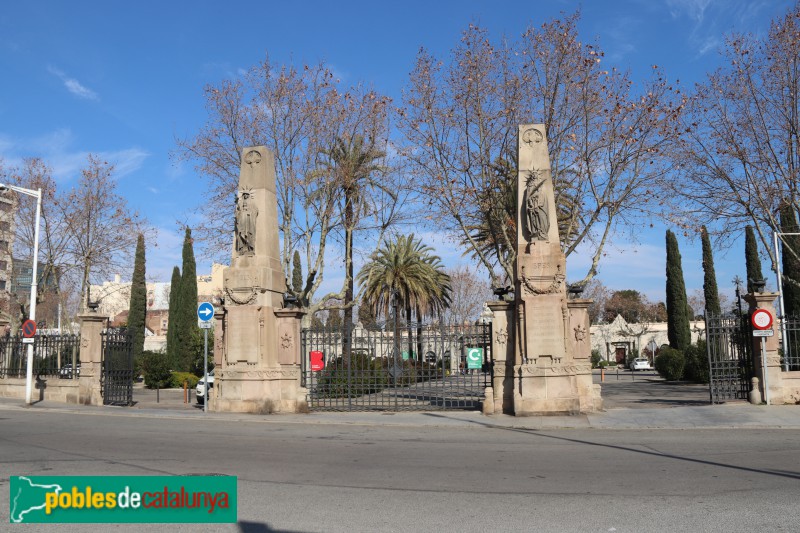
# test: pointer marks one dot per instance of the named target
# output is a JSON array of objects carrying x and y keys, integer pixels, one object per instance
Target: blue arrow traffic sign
[{"x": 205, "y": 311}]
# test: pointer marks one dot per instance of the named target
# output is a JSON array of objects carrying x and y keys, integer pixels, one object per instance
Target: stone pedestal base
[
  {"x": 555, "y": 390},
  {"x": 274, "y": 390}
]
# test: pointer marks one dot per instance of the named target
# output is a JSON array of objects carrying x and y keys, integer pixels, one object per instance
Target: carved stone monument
[
  {"x": 552, "y": 367},
  {"x": 257, "y": 342}
]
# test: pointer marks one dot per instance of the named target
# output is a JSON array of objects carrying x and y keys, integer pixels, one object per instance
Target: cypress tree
[
  {"x": 678, "y": 330},
  {"x": 710, "y": 292},
  {"x": 187, "y": 332},
  {"x": 752, "y": 261},
  {"x": 137, "y": 309},
  {"x": 790, "y": 261},
  {"x": 297, "y": 274},
  {"x": 172, "y": 326}
]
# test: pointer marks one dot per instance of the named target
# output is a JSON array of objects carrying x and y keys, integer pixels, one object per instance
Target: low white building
[{"x": 615, "y": 340}]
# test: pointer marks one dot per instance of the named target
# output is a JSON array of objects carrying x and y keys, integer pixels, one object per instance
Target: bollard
[
  {"x": 602, "y": 374},
  {"x": 617, "y": 372},
  {"x": 158, "y": 392},
  {"x": 185, "y": 390}
]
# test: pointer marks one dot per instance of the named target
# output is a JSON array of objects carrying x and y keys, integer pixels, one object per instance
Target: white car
[
  {"x": 640, "y": 363},
  {"x": 201, "y": 387}
]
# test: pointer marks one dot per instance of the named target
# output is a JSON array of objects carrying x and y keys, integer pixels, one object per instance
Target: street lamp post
[{"x": 34, "y": 279}]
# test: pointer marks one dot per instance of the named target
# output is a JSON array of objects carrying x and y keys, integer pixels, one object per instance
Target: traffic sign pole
[
  {"x": 205, "y": 311},
  {"x": 205, "y": 372}
]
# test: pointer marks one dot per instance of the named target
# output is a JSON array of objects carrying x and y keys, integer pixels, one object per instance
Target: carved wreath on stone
[
  {"x": 502, "y": 337},
  {"x": 555, "y": 286},
  {"x": 286, "y": 341},
  {"x": 250, "y": 298}
]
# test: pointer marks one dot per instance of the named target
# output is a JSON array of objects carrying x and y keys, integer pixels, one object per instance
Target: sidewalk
[{"x": 734, "y": 415}]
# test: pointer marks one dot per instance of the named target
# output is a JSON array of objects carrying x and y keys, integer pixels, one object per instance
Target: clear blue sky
[{"x": 123, "y": 80}]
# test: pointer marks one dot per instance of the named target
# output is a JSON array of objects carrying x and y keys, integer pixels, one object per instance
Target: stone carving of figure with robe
[
  {"x": 537, "y": 220},
  {"x": 246, "y": 214}
]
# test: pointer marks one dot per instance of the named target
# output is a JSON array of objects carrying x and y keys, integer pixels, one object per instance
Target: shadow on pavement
[{"x": 537, "y": 433}]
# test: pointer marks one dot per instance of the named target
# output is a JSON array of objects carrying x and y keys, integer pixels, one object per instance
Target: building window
[
  {"x": 3, "y": 265},
  {"x": 5, "y": 225},
  {"x": 2, "y": 285},
  {"x": 5, "y": 206},
  {"x": 3, "y": 246}
]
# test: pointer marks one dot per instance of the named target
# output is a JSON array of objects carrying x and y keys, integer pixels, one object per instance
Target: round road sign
[
  {"x": 761, "y": 319},
  {"x": 28, "y": 329}
]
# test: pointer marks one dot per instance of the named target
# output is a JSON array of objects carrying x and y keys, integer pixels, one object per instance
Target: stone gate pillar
[
  {"x": 502, "y": 356},
  {"x": 770, "y": 375},
  {"x": 580, "y": 345},
  {"x": 91, "y": 356}
]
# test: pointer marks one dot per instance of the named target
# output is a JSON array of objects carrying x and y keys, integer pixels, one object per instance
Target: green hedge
[
  {"x": 696, "y": 368},
  {"x": 670, "y": 363},
  {"x": 155, "y": 369}
]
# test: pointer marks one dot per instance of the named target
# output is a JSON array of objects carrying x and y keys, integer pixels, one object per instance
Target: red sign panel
[
  {"x": 28, "y": 329},
  {"x": 317, "y": 361}
]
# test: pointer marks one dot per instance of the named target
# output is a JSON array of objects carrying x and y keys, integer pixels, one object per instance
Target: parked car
[
  {"x": 640, "y": 363},
  {"x": 201, "y": 387},
  {"x": 66, "y": 371}
]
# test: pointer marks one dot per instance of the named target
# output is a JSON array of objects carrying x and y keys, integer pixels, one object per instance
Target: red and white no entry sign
[{"x": 761, "y": 319}]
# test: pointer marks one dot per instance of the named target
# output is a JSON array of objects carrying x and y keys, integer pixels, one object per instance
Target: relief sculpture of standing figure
[
  {"x": 245, "y": 230},
  {"x": 537, "y": 221}
]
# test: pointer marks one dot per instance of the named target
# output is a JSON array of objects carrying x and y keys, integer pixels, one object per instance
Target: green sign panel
[
  {"x": 474, "y": 357},
  {"x": 122, "y": 499}
]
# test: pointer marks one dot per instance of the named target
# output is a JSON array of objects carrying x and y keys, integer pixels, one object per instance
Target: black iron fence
[
  {"x": 418, "y": 367},
  {"x": 729, "y": 342},
  {"x": 53, "y": 356},
  {"x": 116, "y": 380},
  {"x": 789, "y": 328}
]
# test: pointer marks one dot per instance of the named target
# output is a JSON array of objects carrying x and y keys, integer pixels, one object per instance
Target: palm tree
[
  {"x": 351, "y": 165},
  {"x": 407, "y": 269}
]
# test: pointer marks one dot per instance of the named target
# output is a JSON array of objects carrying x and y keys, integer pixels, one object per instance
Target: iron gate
[
  {"x": 730, "y": 357},
  {"x": 116, "y": 380},
  {"x": 418, "y": 368}
]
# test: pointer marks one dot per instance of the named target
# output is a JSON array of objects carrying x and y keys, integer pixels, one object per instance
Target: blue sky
[{"x": 123, "y": 80}]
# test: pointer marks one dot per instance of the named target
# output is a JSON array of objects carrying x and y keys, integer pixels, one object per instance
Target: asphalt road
[{"x": 350, "y": 477}]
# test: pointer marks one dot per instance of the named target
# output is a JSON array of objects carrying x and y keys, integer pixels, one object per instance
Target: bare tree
[
  {"x": 470, "y": 291},
  {"x": 606, "y": 139},
  {"x": 299, "y": 114},
  {"x": 102, "y": 228},
  {"x": 740, "y": 156}
]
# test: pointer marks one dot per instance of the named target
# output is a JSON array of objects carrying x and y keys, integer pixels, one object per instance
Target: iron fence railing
[
  {"x": 789, "y": 327},
  {"x": 53, "y": 356},
  {"x": 730, "y": 358},
  {"x": 418, "y": 367},
  {"x": 116, "y": 379}
]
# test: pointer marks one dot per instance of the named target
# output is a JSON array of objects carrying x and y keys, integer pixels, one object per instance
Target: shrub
[
  {"x": 179, "y": 377},
  {"x": 696, "y": 368},
  {"x": 603, "y": 363},
  {"x": 155, "y": 369},
  {"x": 596, "y": 358},
  {"x": 669, "y": 364}
]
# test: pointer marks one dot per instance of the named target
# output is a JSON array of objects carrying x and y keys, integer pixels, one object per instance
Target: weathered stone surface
[
  {"x": 258, "y": 342},
  {"x": 551, "y": 365}
]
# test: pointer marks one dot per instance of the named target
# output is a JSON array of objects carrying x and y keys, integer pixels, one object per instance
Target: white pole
[
  {"x": 205, "y": 369},
  {"x": 764, "y": 368},
  {"x": 32, "y": 314},
  {"x": 780, "y": 302}
]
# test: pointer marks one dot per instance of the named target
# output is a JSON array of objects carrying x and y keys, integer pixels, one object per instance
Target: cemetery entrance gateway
[
  {"x": 420, "y": 368},
  {"x": 730, "y": 357},
  {"x": 116, "y": 380}
]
